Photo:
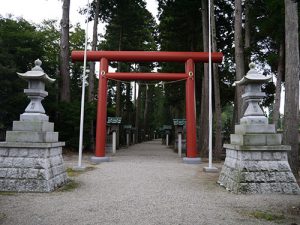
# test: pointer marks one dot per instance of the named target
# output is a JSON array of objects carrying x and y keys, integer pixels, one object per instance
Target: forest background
[{"x": 261, "y": 31}]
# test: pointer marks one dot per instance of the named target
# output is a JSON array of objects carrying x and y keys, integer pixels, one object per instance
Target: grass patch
[
  {"x": 70, "y": 186},
  {"x": 7, "y": 193},
  {"x": 2, "y": 216},
  {"x": 74, "y": 173},
  {"x": 267, "y": 216}
]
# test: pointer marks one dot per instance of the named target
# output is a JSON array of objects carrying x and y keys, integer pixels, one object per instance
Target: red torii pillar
[{"x": 189, "y": 58}]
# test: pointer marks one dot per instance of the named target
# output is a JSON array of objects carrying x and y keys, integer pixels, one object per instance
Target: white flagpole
[
  {"x": 80, "y": 166},
  {"x": 209, "y": 88},
  {"x": 210, "y": 168}
]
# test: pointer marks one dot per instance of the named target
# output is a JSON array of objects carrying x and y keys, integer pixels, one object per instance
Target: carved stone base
[
  {"x": 257, "y": 170},
  {"x": 31, "y": 167}
]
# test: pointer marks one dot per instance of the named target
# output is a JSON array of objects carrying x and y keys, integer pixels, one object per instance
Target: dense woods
[{"x": 263, "y": 31}]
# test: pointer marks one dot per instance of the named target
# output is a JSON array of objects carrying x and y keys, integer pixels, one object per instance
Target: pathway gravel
[{"x": 145, "y": 184}]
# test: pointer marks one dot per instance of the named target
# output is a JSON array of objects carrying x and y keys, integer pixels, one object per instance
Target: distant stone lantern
[{"x": 36, "y": 78}]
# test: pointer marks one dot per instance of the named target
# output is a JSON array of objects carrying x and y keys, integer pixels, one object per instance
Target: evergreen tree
[
  {"x": 179, "y": 30},
  {"x": 130, "y": 26},
  {"x": 20, "y": 46}
]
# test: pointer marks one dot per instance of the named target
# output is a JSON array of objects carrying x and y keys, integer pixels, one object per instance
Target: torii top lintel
[{"x": 147, "y": 56}]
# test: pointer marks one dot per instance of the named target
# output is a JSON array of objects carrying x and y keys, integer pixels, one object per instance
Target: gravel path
[{"x": 145, "y": 184}]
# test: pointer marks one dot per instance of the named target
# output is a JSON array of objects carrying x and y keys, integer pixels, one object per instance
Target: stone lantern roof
[
  {"x": 36, "y": 73},
  {"x": 253, "y": 77}
]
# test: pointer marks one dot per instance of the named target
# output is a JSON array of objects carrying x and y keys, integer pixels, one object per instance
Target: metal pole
[
  {"x": 114, "y": 142},
  {"x": 210, "y": 168},
  {"x": 209, "y": 90},
  {"x": 179, "y": 145},
  {"x": 83, "y": 92}
]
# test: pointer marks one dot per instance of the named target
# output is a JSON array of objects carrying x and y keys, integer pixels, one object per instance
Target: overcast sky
[{"x": 38, "y": 10}]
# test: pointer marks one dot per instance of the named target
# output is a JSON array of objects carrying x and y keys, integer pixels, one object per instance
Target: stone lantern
[
  {"x": 167, "y": 129},
  {"x": 253, "y": 96},
  {"x": 36, "y": 78},
  {"x": 256, "y": 162},
  {"x": 31, "y": 154},
  {"x": 113, "y": 124},
  {"x": 179, "y": 125}
]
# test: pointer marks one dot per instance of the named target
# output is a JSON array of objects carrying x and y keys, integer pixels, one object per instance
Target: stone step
[
  {"x": 255, "y": 139},
  {"x": 255, "y": 129},
  {"x": 33, "y": 126},
  {"x": 31, "y": 136}
]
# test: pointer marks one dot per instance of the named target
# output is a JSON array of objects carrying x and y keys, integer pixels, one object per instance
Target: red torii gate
[{"x": 189, "y": 58}]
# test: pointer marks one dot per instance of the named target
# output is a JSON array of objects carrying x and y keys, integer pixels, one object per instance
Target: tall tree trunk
[
  {"x": 291, "y": 109},
  {"x": 204, "y": 132},
  {"x": 118, "y": 99},
  {"x": 64, "y": 53},
  {"x": 118, "y": 88},
  {"x": 247, "y": 33},
  {"x": 128, "y": 103},
  {"x": 138, "y": 110},
  {"x": 239, "y": 58},
  {"x": 280, "y": 71},
  {"x": 91, "y": 87},
  {"x": 218, "y": 119},
  {"x": 146, "y": 110}
]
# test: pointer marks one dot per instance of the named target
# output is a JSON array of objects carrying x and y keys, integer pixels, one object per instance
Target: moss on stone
[
  {"x": 70, "y": 186},
  {"x": 74, "y": 173}
]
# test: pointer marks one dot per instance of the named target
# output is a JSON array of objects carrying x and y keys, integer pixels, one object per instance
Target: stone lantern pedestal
[
  {"x": 31, "y": 157},
  {"x": 180, "y": 142},
  {"x": 113, "y": 124},
  {"x": 256, "y": 162}
]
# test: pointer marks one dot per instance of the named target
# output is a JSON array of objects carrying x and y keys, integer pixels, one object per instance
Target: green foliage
[
  {"x": 179, "y": 30},
  {"x": 267, "y": 33},
  {"x": 158, "y": 104},
  {"x": 20, "y": 45},
  {"x": 130, "y": 25},
  {"x": 226, "y": 116},
  {"x": 180, "y": 25},
  {"x": 269, "y": 89},
  {"x": 67, "y": 122}
]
